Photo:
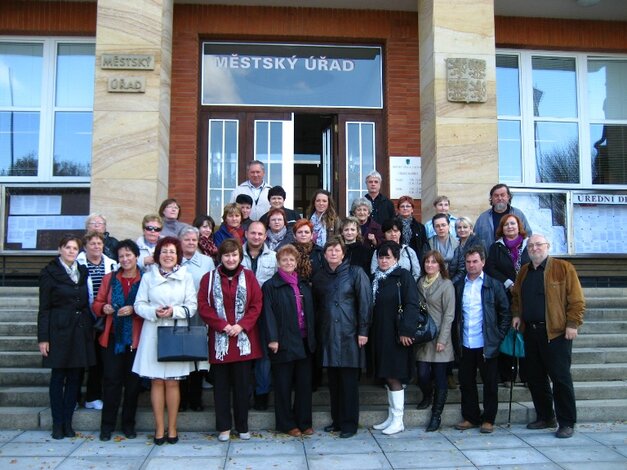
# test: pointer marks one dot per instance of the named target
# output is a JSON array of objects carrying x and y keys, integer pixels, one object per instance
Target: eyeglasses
[
  {"x": 96, "y": 224},
  {"x": 536, "y": 245},
  {"x": 152, "y": 228}
]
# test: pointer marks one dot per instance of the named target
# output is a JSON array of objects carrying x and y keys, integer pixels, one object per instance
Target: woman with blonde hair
[{"x": 324, "y": 217}]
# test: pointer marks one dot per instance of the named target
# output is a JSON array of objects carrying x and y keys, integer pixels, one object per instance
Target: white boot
[
  {"x": 398, "y": 406},
  {"x": 388, "y": 421}
]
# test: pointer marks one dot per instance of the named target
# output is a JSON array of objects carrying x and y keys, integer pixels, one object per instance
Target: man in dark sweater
[{"x": 382, "y": 207}]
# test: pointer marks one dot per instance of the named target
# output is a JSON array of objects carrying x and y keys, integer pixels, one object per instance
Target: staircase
[{"x": 599, "y": 371}]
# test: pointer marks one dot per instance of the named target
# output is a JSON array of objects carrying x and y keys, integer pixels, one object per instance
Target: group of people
[{"x": 283, "y": 296}]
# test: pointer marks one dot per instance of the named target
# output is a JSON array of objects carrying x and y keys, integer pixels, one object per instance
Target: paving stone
[
  {"x": 264, "y": 448},
  {"x": 7, "y": 435},
  {"x": 487, "y": 441},
  {"x": 343, "y": 461},
  {"x": 28, "y": 463},
  {"x": 521, "y": 456},
  {"x": 251, "y": 462},
  {"x": 59, "y": 448},
  {"x": 608, "y": 438},
  {"x": 436, "y": 459},
  {"x": 129, "y": 448},
  {"x": 189, "y": 463},
  {"x": 594, "y": 453},
  {"x": 421, "y": 444},
  {"x": 98, "y": 463}
]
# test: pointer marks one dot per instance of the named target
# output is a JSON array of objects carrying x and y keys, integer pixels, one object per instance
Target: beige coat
[{"x": 441, "y": 305}]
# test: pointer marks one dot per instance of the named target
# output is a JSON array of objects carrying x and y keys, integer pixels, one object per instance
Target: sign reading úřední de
[{"x": 260, "y": 74}]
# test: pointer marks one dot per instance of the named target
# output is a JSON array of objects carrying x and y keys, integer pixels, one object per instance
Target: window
[
  {"x": 46, "y": 104},
  {"x": 562, "y": 119},
  {"x": 222, "y": 163},
  {"x": 360, "y": 158}
]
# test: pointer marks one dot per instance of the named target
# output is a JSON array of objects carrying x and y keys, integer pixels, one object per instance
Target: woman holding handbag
[
  {"x": 166, "y": 293},
  {"x": 229, "y": 301},
  {"x": 119, "y": 341},
  {"x": 394, "y": 318},
  {"x": 433, "y": 357}
]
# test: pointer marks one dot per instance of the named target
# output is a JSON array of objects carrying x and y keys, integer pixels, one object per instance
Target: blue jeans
[{"x": 263, "y": 379}]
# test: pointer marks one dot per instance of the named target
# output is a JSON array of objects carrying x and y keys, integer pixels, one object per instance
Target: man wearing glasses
[{"x": 548, "y": 301}]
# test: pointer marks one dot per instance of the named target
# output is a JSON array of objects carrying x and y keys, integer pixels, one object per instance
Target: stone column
[
  {"x": 458, "y": 139},
  {"x": 131, "y": 134}
]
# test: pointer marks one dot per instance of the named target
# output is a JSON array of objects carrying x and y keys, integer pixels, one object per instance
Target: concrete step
[
  {"x": 598, "y": 372},
  {"x": 20, "y": 301},
  {"x": 18, "y": 343},
  {"x": 18, "y": 315},
  {"x": 14, "y": 291},
  {"x": 88, "y": 421},
  {"x": 24, "y": 377},
  {"x": 20, "y": 359},
  {"x": 607, "y": 340},
  {"x": 599, "y": 355},
  {"x": 604, "y": 326},
  {"x": 18, "y": 328},
  {"x": 614, "y": 301},
  {"x": 604, "y": 292},
  {"x": 603, "y": 313}
]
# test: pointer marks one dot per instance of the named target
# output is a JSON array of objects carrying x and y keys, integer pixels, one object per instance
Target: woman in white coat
[{"x": 163, "y": 292}]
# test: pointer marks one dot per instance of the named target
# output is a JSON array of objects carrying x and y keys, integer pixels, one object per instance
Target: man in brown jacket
[{"x": 549, "y": 300}]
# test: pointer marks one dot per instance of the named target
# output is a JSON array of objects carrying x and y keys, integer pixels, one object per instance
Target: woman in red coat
[{"x": 229, "y": 301}]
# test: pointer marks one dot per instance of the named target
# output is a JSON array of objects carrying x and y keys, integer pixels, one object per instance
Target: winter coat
[
  {"x": 252, "y": 311},
  {"x": 266, "y": 264},
  {"x": 408, "y": 260},
  {"x": 392, "y": 359},
  {"x": 371, "y": 227},
  {"x": 497, "y": 315},
  {"x": 280, "y": 321},
  {"x": 343, "y": 305},
  {"x": 484, "y": 226},
  {"x": 103, "y": 298},
  {"x": 419, "y": 241},
  {"x": 176, "y": 290},
  {"x": 440, "y": 297},
  {"x": 382, "y": 208},
  {"x": 64, "y": 319},
  {"x": 500, "y": 265},
  {"x": 359, "y": 255},
  {"x": 144, "y": 251}
]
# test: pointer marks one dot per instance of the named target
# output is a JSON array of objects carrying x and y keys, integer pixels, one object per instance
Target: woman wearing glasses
[
  {"x": 413, "y": 233},
  {"x": 98, "y": 223},
  {"x": 152, "y": 225}
]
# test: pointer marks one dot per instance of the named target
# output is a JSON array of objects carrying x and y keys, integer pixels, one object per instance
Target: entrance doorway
[{"x": 314, "y": 156}]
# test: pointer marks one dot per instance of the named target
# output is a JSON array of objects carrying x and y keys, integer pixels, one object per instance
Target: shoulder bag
[
  {"x": 182, "y": 343},
  {"x": 425, "y": 329},
  {"x": 513, "y": 344}
]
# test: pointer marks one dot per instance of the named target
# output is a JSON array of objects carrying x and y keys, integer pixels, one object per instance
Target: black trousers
[
  {"x": 118, "y": 377},
  {"x": 344, "y": 391},
  {"x": 550, "y": 360},
  {"x": 472, "y": 359},
  {"x": 231, "y": 378},
  {"x": 191, "y": 389},
  {"x": 64, "y": 386},
  {"x": 286, "y": 376},
  {"x": 509, "y": 368},
  {"x": 93, "y": 387}
]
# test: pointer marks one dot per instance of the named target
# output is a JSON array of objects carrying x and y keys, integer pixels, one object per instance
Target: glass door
[{"x": 274, "y": 146}]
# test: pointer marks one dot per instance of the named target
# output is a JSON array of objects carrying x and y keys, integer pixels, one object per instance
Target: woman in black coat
[
  {"x": 342, "y": 300},
  {"x": 393, "y": 288},
  {"x": 65, "y": 331},
  {"x": 288, "y": 318},
  {"x": 413, "y": 233}
]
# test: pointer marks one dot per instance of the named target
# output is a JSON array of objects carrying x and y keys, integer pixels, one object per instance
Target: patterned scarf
[
  {"x": 319, "y": 230},
  {"x": 515, "y": 249},
  {"x": 275, "y": 238},
  {"x": 292, "y": 281},
  {"x": 166, "y": 274},
  {"x": 304, "y": 268},
  {"x": 428, "y": 281},
  {"x": 221, "y": 338},
  {"x": 380, "y": 276},
  {"x": 207, "y": 246},
  {"x": 122, "y": 326},
  {"x": 406, "y": 233},
  {"x": 71, "y": 271}
]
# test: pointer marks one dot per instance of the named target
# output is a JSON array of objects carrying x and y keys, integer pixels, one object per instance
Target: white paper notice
[
  {"x": 35, "y": 205},
  {"x": 405, "y": 177}
]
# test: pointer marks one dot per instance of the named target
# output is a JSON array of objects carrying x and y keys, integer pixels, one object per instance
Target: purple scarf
[
  {"x": 292, "y": 280},
  {"x": 514, "y": 247}
]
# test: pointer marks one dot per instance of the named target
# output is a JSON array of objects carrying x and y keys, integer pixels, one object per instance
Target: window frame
[
  {"x": 583, "y": 119},
  {"x": 47, "y": 108}
]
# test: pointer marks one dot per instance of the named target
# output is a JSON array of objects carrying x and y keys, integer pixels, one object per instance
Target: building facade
[{"x": 113, "y": 106}]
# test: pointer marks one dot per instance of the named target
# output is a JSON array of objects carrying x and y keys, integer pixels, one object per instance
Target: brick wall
[{"x": 47, "y": 18}]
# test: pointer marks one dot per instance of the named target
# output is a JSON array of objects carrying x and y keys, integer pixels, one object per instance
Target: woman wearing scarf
[
  {"x": 433, "y": 357},
  {"x": 165, "y": 293},
  {"x": 393, "y": 288},
  {"x": 119, "y": 341},
  {"x": 288, "y": 319},
  {"x": 65, "y": 331},
  {"x": 170, "y": 212},
  {"x": 392, "y": 230},
  {"x": 323, "y": 216},
  {"x": 310, "y": 255},
  {"x": 442, "y": 241},
  {"x": 413, "y": 233},
  {"x": 230, "y": 302},
  {"x": 507, "y": 254},
  {"x": 206, "y": 226},
  {"x": 231, "y": 225},
  {"x": 278, "y": 233}
]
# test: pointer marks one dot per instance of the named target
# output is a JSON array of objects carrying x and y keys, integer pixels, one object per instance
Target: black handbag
[
  {"x": 182, "y": 343},
  {"x": 425, "y": 330}
]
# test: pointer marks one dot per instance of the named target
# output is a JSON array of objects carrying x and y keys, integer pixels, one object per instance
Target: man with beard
[
  {"x": 488, "y": 221},
  {"x": 549, "y": 300}
]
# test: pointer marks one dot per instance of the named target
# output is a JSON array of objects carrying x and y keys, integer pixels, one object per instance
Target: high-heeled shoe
[
  {"x": 173, "y": 440},
  {"x": 159, "y": 440}
]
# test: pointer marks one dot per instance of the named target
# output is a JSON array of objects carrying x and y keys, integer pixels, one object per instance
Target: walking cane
[{"x": 511, "y": 384}]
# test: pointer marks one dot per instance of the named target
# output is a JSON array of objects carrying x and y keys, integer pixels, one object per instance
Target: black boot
[
  {"x": 67, "y": 430},
  {"x": 427, "y": 396},
  {"x": 436, "y": 411},
  {"x": 57, "y": 431}
]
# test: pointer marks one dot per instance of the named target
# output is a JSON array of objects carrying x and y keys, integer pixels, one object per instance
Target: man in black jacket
[
  {"x": 482, "y": 316},
  {"x": 382, "y": 207}
]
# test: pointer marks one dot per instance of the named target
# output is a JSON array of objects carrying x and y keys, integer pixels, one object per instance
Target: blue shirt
[{"x": 472, "y": 312}]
